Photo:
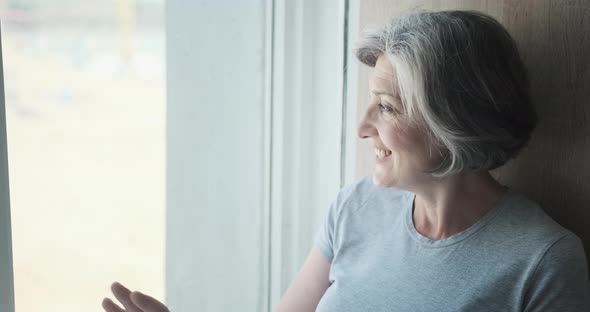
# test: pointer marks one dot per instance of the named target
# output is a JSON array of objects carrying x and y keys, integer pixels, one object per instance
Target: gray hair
[{"x": 460, "y": 74}]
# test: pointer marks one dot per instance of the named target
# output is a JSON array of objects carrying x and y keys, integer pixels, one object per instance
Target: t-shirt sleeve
[
  {"x": 324, "y": 238},
  {"x": 560, "y": 281},
  {"x": 329, "y": 236}
]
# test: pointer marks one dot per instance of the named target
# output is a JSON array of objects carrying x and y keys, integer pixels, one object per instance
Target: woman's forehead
[{"x": 383, "y": 77}]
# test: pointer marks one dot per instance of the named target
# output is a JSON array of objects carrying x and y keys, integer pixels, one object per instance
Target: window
[
  {"x": 85, "y": 112},
  {"x": 209, "y": 201}
]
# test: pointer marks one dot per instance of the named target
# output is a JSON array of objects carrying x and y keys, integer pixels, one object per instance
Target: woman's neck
[{"x": 451, "y": 205}]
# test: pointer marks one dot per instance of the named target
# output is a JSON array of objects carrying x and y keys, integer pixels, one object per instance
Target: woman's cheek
[
  {"x": 410, "y": 145},
  {"x": 400, "y": 137}
]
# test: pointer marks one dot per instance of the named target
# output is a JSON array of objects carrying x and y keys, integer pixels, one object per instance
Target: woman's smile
[{"x": 382, "y": 155}]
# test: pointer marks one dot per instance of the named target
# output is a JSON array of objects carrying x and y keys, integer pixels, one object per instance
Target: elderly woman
[{"x": 431, "y": 230}]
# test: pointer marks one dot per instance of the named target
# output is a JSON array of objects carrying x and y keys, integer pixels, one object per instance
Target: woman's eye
[{"x": 385, "y": 109}]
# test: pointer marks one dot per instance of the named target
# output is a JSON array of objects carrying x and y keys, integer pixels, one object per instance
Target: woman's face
[{"x": 401, "y": 149}]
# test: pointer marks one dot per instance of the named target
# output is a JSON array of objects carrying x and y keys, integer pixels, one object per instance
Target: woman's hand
[{"x": 132, "y": 301}]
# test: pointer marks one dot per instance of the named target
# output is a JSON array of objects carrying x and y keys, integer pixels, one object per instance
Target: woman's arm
[{"x": 308, "y": 286}]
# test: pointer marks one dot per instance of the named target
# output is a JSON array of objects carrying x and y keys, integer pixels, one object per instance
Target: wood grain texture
[{"x": 554, "y": 40}]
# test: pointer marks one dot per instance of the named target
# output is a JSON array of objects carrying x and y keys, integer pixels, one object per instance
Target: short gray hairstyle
[{"x": 461, "y": 74}]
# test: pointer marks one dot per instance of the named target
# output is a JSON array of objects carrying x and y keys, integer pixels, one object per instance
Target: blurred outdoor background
[{"x": 85, "y": 108}]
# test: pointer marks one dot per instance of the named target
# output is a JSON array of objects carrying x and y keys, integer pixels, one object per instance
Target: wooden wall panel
[{"x": 554, "y": 40}]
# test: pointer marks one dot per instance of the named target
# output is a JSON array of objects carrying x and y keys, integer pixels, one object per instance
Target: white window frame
[
  {"x": 295, "y": 218},
  {"x": 302, "y": 148}
]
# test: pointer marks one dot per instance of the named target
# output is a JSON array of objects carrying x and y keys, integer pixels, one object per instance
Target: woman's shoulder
[
  {"x": 524, "y": 222},
  {"x": 557, "y": 267},
  {"x": 363, "y": 191}
]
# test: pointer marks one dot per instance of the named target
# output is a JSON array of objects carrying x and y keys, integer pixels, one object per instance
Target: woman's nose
[{"x": 366, "y": 129}]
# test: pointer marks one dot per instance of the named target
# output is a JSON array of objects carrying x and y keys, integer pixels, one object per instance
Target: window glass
[{"x": 85, "y": 109}]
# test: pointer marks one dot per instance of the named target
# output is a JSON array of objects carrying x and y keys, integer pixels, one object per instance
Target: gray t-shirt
[{"x": 515, "y": 258}]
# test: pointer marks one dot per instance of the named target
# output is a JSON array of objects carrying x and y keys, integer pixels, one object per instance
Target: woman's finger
[
  {"x": 122, "y": 294},
  {"x": 147, "y": 303},
  {"x": 109, "y": 306}
]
